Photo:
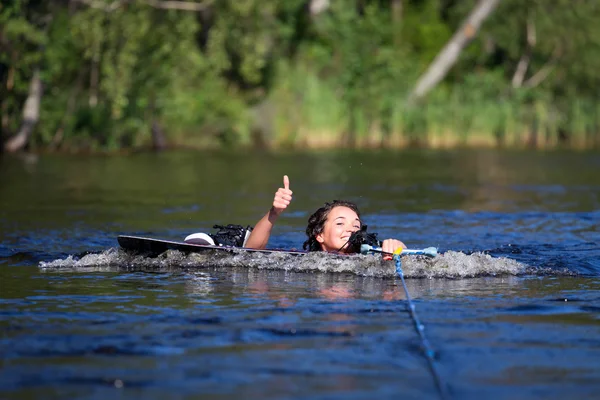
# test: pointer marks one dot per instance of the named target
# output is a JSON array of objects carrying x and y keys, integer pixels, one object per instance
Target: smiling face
[{"x": 340, "y": 224}]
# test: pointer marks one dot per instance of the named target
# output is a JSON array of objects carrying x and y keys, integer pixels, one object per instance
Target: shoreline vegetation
[{"x": 125, "y": 75}]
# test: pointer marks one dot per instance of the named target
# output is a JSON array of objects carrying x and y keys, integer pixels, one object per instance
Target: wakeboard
[{"x": 154, "y": 247}]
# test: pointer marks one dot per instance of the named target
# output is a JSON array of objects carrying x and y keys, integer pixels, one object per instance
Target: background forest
[{"x": 104, "y": 75}]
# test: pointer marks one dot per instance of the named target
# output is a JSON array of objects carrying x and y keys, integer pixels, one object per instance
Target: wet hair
[{"x": 316, "y": 222}]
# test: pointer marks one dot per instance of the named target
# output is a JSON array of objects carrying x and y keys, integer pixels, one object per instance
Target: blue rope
[{"x": 420, "y": 328}]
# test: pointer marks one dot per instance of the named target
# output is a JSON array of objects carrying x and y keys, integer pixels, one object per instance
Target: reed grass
[{"x": 311, "y": 112}]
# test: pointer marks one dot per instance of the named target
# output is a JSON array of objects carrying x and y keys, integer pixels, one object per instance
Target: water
[{"x": 511, "y": 307}]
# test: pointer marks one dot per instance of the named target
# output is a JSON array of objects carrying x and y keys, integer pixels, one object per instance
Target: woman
[{"x": 329, "y": 228}]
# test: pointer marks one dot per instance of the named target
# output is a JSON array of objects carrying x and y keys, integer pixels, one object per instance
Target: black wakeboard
[{"x": 155, "y": 247}]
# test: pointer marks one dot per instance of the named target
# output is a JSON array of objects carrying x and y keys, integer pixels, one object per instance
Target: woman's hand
[
  {"x": 283, "y": 196},
  {"x": 262, "y": 230},
  {"x": 389, "y": 246}
]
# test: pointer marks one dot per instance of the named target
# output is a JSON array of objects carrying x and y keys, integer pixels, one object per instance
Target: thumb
[{"x": 286, "y": 182}]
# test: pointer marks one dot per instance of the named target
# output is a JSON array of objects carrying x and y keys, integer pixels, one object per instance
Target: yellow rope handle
[{"x": 398, "y": 251}]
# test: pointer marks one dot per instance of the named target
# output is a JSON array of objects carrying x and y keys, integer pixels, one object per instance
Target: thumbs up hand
[{"x": 283, "y": 196}]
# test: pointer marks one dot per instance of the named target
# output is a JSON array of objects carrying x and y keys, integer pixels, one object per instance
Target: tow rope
[{"x": 419, "y": 327}]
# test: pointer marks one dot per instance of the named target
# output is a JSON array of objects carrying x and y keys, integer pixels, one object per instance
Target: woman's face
[{"x": 340, "y": 224}]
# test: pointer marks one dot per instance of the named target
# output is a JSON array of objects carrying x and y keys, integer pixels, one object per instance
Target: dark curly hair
[{"x": 316, "y": 222}]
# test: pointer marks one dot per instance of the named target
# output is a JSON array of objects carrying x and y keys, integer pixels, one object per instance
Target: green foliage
[
  {"x": 424, "y": 31},
  {"x": 268, "y": 71}
]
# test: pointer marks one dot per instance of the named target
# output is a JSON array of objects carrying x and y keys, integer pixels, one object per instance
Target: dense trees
[{"x": 109, "y": 74}]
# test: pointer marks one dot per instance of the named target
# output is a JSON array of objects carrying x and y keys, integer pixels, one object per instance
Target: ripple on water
[{"x": 450, "y": 264}]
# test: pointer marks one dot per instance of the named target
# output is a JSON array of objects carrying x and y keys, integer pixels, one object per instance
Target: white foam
[{"x": 448, "y": 265}]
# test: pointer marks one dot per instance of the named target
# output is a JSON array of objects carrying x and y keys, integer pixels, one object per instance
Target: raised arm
[{"x": 262, "y": 230}]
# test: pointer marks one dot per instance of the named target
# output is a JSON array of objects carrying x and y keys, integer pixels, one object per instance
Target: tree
[
  {"x": 22, "y": 42},
  {"x": 31, "y": 115},
  {"x": 451, "y": 51}
]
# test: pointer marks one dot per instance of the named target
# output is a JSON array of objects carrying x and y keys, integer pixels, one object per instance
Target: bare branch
[
  {"x": 101, "y": 5},
  {"x": 519, "y": 76},
  {"x": 178, "y": 5},
  {"x": 539, "y": 76},
  {"x": 545, "y": 71},
  {"x": 161, "y": 4}
]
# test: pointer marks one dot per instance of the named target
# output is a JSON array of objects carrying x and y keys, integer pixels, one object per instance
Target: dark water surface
[{"x": 512, "y": 306}]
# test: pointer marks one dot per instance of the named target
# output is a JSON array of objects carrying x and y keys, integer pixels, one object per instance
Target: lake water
[{"x": 511, "y": 306}]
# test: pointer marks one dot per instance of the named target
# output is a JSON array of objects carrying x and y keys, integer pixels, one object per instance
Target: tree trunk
[
  {"x": 71, "y": 103},
  {"x": 397, "y": 9},
  {"x": 316, "y": 7},
  {"x": 449, "y": 54},
  {"x": 4, "y": 107},
  {"x": 5, "y": 123},
  {"x": 31, "y": 115},
  {"x": 94, "y": 79},
  {"x": 159, "y": 141},
  {"x": 521, "y": 71}
]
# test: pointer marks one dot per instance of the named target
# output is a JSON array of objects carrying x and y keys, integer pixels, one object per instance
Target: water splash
[{"x": 450, "y": 264}]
